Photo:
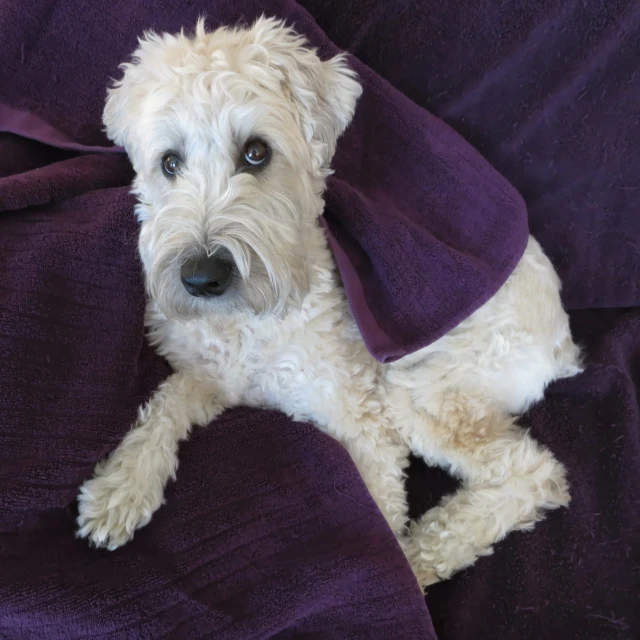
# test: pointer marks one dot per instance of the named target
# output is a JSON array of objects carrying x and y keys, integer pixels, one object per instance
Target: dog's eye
[
  {"x": 171, "y": 164},
  {"x": 256, "y": 152}
]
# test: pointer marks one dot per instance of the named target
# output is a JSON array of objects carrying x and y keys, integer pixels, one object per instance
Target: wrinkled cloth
[
  {"x": 410, "y": 194},
  {"x": 268, "y": 531},
  {"x": 549, "y": 93}
]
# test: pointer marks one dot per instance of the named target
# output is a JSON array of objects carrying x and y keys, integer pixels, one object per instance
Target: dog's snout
[{"x": 206, "y": 276}]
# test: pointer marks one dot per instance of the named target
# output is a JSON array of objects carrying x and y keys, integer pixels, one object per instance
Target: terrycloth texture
[
  {"x": 75, "y": 365},
  {"x": 577, "y": 576},
  {"x": 269, "y": 533},
  {"x": 549, "y": 92},
  {"x": 423, "y": 213}
]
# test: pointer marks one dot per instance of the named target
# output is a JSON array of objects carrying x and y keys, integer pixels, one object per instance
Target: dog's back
[{"x": 510, "y": 349}]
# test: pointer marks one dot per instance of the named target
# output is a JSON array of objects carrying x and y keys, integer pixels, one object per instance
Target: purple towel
[
  {"x": 549, "y": 92},
  {"x": 407, "y": 191},
  {"x": 268, "y": 531}
]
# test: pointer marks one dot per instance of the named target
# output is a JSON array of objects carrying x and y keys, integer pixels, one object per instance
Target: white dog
[{"x": 231, "y": 134}]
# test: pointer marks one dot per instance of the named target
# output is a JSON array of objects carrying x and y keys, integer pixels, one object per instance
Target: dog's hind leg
[
  {"x": 381, "y": 459},
  {"x": 128, "y": 487},
  {"x": 508, "y": 480}
]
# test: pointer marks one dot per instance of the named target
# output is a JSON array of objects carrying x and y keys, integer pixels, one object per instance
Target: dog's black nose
[{"x": 206, "y": 276}]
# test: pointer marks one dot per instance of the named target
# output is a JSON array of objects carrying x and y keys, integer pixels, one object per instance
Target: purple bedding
[{"x": 269, "y": 532}]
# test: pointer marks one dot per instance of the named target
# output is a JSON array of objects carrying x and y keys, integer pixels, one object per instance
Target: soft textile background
[{"x": 268, "y": 530}]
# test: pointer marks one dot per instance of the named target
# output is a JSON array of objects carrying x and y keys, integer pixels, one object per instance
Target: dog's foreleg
[{"x": 128, "y": 487}]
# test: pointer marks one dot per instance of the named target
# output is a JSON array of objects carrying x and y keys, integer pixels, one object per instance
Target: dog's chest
[{"x": 306, "y": 370}]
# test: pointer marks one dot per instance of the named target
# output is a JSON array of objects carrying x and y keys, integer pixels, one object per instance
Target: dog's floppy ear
[
  {"x": 118, "y": 113},
  {"x": 325, "y": 92},
  {"x": 126, "y": 96},
  {"x": 336, "y": 91}
]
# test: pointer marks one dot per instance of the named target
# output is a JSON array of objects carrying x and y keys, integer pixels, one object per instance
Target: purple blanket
[{"x": 269, "y": 532}]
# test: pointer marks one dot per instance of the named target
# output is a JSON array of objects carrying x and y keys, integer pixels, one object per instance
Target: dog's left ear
[
  {"x": 325, "y": 92},
  {"x": 336, "y": 91}
]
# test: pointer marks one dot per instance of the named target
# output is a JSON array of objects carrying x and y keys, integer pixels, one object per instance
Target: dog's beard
[{"x": 270, "y": 272}]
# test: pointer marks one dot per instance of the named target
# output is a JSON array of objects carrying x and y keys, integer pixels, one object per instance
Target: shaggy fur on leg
[{"x": 190, "y": 110}]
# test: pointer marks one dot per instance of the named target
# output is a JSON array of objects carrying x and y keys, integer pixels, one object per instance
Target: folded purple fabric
[
  {"x": 268, "y": 531},
  {"x": 424, "y": 230},
  {"x": 549, "y": 92}
]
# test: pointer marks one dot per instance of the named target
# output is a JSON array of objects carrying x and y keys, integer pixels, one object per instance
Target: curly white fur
[{"x": 283, "y": 336}]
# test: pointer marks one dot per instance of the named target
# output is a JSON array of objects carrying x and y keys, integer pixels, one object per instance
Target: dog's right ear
[
  {"x": 115, "y": 116},
  {"x": 126, "y": 96},
  {"x": 118, "y": 113}
]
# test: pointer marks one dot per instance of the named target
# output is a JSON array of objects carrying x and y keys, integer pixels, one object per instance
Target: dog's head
[{"x": 231, "y": 135}]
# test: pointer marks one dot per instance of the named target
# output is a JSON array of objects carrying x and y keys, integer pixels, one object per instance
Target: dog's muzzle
[{"x": 207, "y": 276}]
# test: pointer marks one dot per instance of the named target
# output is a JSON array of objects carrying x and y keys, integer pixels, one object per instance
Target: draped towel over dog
[
  {"x": 269, "y": 532},
  {"x": 423, "y": 229}
]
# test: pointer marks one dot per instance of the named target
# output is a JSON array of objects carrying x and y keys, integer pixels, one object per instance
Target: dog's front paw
[{"x": 113, "y": 504}]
